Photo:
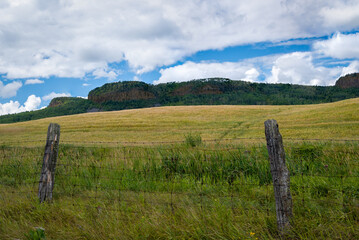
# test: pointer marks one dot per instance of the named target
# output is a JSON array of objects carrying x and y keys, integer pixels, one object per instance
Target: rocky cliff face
[
  {"x": 348, "y": 81},
  {"x": 122, "y": 91},
  {"x": 131, "y": 94},
  {"x": 189, "y": 89}
]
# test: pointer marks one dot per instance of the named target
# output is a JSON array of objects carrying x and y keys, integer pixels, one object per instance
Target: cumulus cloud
[
  {"x": 344, "y": 13},
  {"x": 9, "y": 108},
  {"x": 32, "y": 103},
  {"x": 352, "y": 68},
  {"x": 33, "y": 81},
  {"x": 74, "y": 38},
  {"x": 298, "y": 68},
  {"x": 55, "y": 95},
  {"x": 340, "y": 46},
  {"x": 251, "y": 75},
  {"x": 82, "y": 97},
  {"x": 105, "y": 73},
  {"x": 10, "y": 89},
  {"x": 191, "y": 70}
]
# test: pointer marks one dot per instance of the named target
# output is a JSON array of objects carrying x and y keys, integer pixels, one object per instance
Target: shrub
[
  {"x": 193, "y": 140},
  {"x": 36, "y": 234}
]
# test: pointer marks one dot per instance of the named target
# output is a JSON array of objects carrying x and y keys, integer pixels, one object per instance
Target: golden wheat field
[{"x": 339, "y": 120}]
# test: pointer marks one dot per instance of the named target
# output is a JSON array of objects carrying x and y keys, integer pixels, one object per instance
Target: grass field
[
  {"x": 195, "y": 189},
  {"x": 338, "y": 120}
]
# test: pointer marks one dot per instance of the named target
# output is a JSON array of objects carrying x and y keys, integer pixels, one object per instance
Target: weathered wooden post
[
  {"x": 46, "y": 183},
  {"x": 280, "y": 176}
]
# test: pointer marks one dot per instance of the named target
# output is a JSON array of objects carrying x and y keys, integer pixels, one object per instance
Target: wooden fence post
[
  {"x": 280, "y": 176},
  {"x": 46, "y": 183}
]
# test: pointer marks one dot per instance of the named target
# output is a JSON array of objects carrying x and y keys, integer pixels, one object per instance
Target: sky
[{"x": 51, "y": 48}]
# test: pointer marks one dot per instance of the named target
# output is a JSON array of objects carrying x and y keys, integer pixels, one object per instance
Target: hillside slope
[
  {"x": 215, "y": 91},
  {"x": 338, "y": 120}
]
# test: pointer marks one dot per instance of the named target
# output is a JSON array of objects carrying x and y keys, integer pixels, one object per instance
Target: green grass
[{"x": 212, "y": 191}]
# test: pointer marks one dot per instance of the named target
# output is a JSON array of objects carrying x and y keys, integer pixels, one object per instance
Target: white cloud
[
  {"x": 82, "y": 97},
  {"x": 306, "y": 68},
  {"x": 190, "y": 70},
  {"x": 251, "y": 75},
  {"x": 339, "y": 46},
  {"x": 10, "y": 89},
  {"x": 10, "y": 107},
  {"x": 105, "y": 73},
  {"x": 73, "y": 38},
  {"x": 32, "y": 103},
  {"x": 343, "y": 13},
  {"x": 55, "y": 95},
  {"x": 33, "y": 81},
  {"x": 86, "y": 84},
  {"x": 352, "y": 68},
  {"x": 298, "y": 68}
]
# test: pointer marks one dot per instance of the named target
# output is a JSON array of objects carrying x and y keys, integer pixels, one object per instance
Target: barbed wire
[
  {"x": 99, "y": 184},
  {"x": 175, "y": 201},
  {"x": 178, "y": 141},
  {"x": 229, "y": 186}
]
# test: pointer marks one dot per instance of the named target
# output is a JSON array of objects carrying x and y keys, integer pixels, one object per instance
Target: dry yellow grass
[{"x": 338, "y": 120}]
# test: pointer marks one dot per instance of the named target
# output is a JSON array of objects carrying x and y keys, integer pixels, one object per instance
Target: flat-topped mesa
[
  {"x": 348, "y": 81},
  {"x": 122, "y": 91}
]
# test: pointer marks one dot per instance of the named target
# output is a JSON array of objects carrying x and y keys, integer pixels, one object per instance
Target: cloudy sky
[{"x": 52, "y": 48}]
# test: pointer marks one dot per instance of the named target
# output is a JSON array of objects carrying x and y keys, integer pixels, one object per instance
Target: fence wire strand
[{"x": 93, "y": 184}]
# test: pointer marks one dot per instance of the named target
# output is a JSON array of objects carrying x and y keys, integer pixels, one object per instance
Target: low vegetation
[{"x": 210, "y": 191}]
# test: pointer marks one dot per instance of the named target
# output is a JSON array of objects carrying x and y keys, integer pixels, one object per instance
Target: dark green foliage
[
  {"x": 36, "y": 234},
  {"x": 307, "y": 151},
  {"x": 120, "y": 87},
  {"x": 214, "y": 91},
  {"x": 193, "y": 140}
]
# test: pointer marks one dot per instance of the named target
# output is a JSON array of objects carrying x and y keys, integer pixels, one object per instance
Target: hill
[
  {"x": 337, "y": 120},
  {"x": 213, "y": 91}
]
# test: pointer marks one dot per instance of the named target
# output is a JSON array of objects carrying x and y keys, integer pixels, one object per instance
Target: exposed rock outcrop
[
  {"x": 132, "y": 94},
  {"x": 348, "y": 81},
  {"x": 189, "y": 89}
]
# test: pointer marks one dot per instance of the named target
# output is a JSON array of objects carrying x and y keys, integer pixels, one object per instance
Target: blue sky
[{"x": 52, "y": 48}]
